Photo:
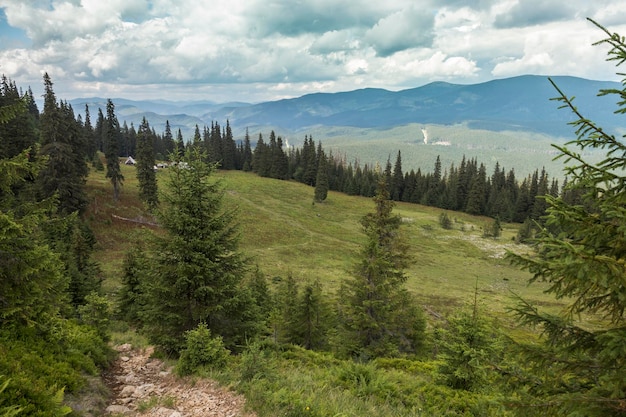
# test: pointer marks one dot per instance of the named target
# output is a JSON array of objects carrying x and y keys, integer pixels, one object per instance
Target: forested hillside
[{"x": 284, "y": 283}]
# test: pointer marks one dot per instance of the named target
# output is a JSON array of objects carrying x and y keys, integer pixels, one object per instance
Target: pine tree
[
  {"x": 32, "y": 281},
  {"x": 397, "y": 180},
  {"x": 168, "y": 140},
  {"x": 476, "y": 198},
  {"x": 321, "y": 182},
  {"x": 90, "y": 135},
  {"x": 111, "y": 132},
  {"x": 378, "y": 317},
  {"x": 312, "y": 318},
  {"x": 247, "y": 153},
  {"x": 197, "y": 270},
  {"x": 145, "y": 166},
  {"x": 261, "y": 163},
  {"x": 179, "y": 149},
  {"x": 229, "y": 148},
  {"x": 64, "y": 145},
  {"x": 18, "y": 132},
  {"x": 581, "y": 368}
]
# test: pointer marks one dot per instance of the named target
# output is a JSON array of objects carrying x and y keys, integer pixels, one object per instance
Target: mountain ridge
[{"x": 521, "y": 103}]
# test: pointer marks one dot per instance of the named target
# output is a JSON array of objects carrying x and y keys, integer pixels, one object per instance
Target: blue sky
[{"x": 257, "y": 50}]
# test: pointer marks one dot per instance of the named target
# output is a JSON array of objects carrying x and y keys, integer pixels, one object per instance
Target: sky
[{"x": 262, "y": 50}]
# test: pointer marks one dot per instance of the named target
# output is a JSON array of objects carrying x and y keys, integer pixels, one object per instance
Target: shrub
[
  {"x": 201, "y": 350},
  {"x": 96, "y": 313},
  {"x": 444, "y": 220},
  {"x": 256, "y": 363}
]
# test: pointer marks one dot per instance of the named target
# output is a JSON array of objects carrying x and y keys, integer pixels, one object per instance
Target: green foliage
[
  {"x": 201, "y": 350},
  {"x": 493, "y": 229},
  {"x": 74, "y": 241},
  {"x": 469, "y": 349},
  {"x": 300, "y": 382},
  {"x": 445, "y": 221},
  {"x": 581, "y": 255},
  {"x": 526, "y": 232},
  {"x": 321, "y": 182},
  {"x": 146, "y": 176},
  {"x": 42, "y": 354},
  {"x": 43, "y": 363},
  {"x": 96, "y": 313},
  {"x": 32, "y": 283},
  {"x": 378, "y": 317},
  {"x": 303, "y": 316},
  {"x": 8, "y": 410},
  {"x": 111, "y": 134},
  {"x": 130, "y": 301},
  {"x": 195, "y": 270},
  {"x": 64, "y": 146},
  {"x": 257, "y": 362}
]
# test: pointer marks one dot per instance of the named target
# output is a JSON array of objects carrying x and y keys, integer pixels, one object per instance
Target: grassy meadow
[{"x": 283, "y": 232}]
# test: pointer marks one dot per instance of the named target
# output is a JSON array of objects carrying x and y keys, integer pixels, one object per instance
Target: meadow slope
[{"x": 283, "y": 232}]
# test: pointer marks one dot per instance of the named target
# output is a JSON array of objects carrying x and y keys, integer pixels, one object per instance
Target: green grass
[{"x": 283, "y": 232}]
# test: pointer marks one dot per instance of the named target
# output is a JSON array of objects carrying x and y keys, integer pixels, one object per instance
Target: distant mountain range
[{"x": 511, "y": 104}]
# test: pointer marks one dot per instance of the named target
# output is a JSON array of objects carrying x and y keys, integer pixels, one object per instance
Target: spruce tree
[
  {"x": 168, "y": 140},
  {"x": 378, "y": 317},
  {"x": 312, "y": 318},
  {"x": 196, "y": 267},
  {"x": 33, "y": 283},
  {"x": 63, "y": 143},
  {"x": 145, "y": 166},
  {"x": 111, "y": 132},
  {"x": 18, "y": 132},
  {"x": 580, "y": 368},
  {"x": 321, "y": 182},
  {"x": 397, "y": 180},
  {"x": 247, "y": 153}
]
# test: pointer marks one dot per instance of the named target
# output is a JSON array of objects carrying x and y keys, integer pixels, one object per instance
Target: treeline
[{"x": 465, "y": 186}]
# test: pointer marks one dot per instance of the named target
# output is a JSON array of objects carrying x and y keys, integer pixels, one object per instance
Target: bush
[
  {"x": 445, "y": 221},
  {"x": 201, "y": 350},
  {"x": 257, "y": 363},
  {"x": 96, "y": 313}
]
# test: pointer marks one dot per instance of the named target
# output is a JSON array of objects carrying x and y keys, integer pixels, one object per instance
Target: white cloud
[
  {"x": 407, "y": 28},
  {"x": 293, "y": 47}
]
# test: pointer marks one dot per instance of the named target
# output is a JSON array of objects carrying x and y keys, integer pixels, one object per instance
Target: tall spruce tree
[
  {"x": 397, "y": 180},
  {"x": 197, "y": 269},
  {"x": 111, "y": 132},
  {"x": 321, "y": 182},
  {"x": 580, "y": 368},
  {"x": 19, "y": 131},
  {"x": 145, "y": 166},
  {"x": 63, "y": 143},
  {"x": 378, "y": 317}
]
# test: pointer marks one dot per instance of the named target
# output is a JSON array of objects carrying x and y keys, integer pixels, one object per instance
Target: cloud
[
  {"x": 404, "y": 29},
  {"x": 546, "y": 54},
  {"x": 535, "y": 12},
  {"x": 296, "y": 46}
]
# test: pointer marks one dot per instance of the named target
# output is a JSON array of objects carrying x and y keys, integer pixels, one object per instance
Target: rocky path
[{"x": 143, "y": 386}]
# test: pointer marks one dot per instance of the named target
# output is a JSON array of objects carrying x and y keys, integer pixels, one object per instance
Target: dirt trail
[{"x": 143, "y": 386}]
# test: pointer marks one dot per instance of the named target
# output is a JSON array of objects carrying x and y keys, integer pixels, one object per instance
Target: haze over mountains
[{"x": 512, "y": 104}]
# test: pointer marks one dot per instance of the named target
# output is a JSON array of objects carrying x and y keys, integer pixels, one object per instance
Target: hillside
[{"x": 284, "y": 233}]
